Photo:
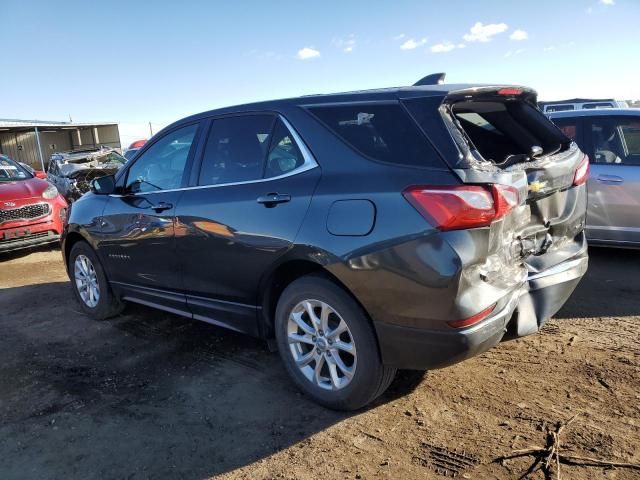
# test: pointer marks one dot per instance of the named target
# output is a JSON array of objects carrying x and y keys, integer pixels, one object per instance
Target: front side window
[
  {"x": 382, "y": 132},
  {"x": 236, "y": 149},
  {"x": 162, "y": 166},
  {"x": 616, "y": 140}
]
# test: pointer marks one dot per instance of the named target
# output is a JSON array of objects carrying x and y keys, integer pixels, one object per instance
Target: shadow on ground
[
  {"x": 146, "y": 394},
  {"x": 611, "y": 286}
]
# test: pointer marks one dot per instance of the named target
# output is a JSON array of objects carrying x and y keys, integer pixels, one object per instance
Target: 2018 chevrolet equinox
[{"x": 407, "y": 228}]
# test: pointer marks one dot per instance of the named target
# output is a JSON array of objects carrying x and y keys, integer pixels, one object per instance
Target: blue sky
[{"x": 136, "y": 62}]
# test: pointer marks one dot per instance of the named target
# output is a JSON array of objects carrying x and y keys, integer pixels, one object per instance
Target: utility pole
[{"x": 150, "y": 130}]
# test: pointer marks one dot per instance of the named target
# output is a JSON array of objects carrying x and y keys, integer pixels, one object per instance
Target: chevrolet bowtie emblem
[{"x": 537, "y": 186}]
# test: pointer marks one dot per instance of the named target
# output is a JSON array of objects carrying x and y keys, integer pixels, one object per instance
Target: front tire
[
  {"x": 328, "y": 345},
  {"x": 90, "y": 285}
]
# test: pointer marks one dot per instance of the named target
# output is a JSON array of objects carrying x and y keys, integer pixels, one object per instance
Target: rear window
[
  {"x": 383, "y": 132},
  {"x": 507, "y": 132}
]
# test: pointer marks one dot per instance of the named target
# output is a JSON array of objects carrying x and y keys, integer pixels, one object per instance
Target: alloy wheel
[
  {"x": 86, "y": 281},
  {"x": 321, "y": 344}
]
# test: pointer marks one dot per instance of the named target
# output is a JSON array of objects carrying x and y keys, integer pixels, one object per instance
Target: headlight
[{"x": 50, "y": 192}]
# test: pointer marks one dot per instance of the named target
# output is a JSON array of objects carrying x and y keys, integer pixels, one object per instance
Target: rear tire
[
  {"x": 328, "y": 345},
  {"x": 90, "y": 285}
]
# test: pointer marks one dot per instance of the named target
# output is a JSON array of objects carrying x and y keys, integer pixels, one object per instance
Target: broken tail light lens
[
  {"x": 458, "y": 207},
  {"x": 582, "y": 172},
  {"x": 478, "y": 317}
]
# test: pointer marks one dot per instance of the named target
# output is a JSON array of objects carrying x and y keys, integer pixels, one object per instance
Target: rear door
[
  {"x": 242, "y": 214},
  {"x": 613, "y": 144}
]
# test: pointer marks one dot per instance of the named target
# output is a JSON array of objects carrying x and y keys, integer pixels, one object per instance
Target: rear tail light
[
  {"x": 462, "y": 206},
  {"x": 510, "y": 91},
  {"x": 582, "y": 172},
  {"x": 478, "y": 317}
]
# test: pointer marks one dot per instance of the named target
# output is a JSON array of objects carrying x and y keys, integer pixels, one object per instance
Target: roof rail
[{"x": 433, "y": 79}]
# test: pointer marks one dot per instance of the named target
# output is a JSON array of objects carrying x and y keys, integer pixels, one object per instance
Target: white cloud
[
  {"x": 411, "y": 44},
  {"x": 513, "y": 52},
  {"x": 307, "y": 53},
  {"x": 399, "y": 36},
  {"x": 461, "y": 45},
  {"x": 549, "y": 48},
  {"x": 345, "y": 44},
  {"x": 590, "y": 10},
  {"x": 442, "y": 47},
  {"x": 483, "y": 33},
  {"x": 519, "y": 35},
  {"x": 608, "y": 2}
]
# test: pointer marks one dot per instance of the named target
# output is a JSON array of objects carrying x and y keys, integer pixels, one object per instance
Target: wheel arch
[
  {"x": 70, "y": 239},
  {"x": 286, "y": 272}
]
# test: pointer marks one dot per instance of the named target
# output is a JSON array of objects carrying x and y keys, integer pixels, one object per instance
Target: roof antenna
[{"x": 433, "y": 79}]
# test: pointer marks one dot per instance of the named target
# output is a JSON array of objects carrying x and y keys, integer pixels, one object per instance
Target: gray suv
[{"x": 359, "y": 232}]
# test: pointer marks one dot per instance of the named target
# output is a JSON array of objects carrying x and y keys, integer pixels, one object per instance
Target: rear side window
[
  {"x": 593, "y": 106},
  {"x": 236, "y": 149},
  {"x": 382, "y": 132},
  {"x": 559, "y": 108},
  {"x": 284, "y": 155}
]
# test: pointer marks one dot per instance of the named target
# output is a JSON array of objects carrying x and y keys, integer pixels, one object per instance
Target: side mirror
[
  {"x": 104, "y": 185},
  {"x": 40, "y": 174}
]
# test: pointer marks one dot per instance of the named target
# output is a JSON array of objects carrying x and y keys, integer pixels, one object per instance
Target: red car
[{"x": 32, "y": 212}]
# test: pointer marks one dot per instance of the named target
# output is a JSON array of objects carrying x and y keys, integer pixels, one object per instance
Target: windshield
[
  {"x": 111, "y": 159},
  {"x": 11, "y": 171}
]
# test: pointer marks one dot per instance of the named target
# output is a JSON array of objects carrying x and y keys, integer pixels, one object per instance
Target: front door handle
[
  {"x": 609, "y": 179},
  {"x": 273, "y": 199},
  {"x": 162, "y": 206}
]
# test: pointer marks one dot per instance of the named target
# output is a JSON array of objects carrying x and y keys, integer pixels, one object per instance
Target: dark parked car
[
  {"x": 399, "y": 228},
  {"x": 71, "y": 172},
  {"x": 611, "y": 138}
]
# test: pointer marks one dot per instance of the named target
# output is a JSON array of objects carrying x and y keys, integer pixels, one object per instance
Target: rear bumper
[{"x": 523, "y": 312}]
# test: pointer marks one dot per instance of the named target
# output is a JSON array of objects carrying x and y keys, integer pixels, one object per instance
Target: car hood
[{"x": 22, "y": 189}]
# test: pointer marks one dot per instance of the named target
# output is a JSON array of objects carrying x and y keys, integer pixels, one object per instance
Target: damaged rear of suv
[{"x": 523, "y": 182}]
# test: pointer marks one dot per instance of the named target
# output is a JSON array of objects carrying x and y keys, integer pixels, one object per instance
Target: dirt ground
[{"x": 152, "y": 395}]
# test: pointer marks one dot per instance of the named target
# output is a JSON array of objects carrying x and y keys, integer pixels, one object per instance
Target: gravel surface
[{"x": 152, "y": 395}]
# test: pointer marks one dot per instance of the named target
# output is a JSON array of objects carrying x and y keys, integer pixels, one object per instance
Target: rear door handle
[
  {"x": 162, "y": 206},
  {"x": 272, "y": 199},
  {"x": 609, "y": 179}
]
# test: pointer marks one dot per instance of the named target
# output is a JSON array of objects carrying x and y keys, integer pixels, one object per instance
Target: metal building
[{"x": 33, "y": 141}]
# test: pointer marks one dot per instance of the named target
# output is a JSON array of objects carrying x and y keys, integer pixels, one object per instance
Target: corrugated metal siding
[
  {"x": 54, "y": 142},
  {"x": 21, "y": 147},
  {"x": 109, "y": 136}
]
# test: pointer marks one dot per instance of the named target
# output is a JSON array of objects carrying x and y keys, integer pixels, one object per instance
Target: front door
[
  {"x": 137, "y": 240},
  {"x": 254, "y": 188},
  {"x": 614, "y": 182}
]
